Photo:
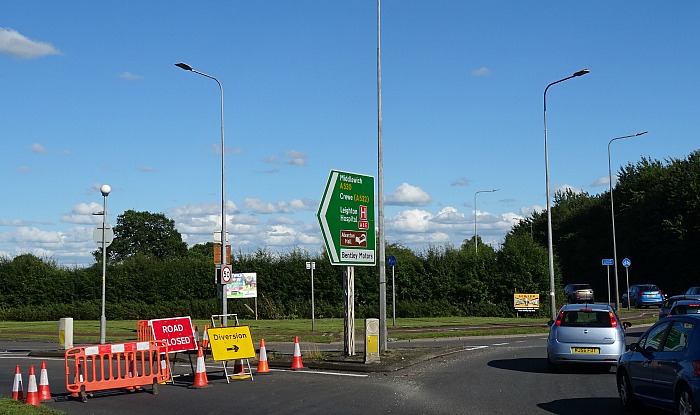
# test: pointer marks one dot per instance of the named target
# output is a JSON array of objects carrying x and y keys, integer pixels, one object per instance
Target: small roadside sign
[
  {"x": 391, "y": 260},
  {"x": 108, "y": 234},
  {"x": 609, "y": 261},
  {"x": 626, "y": 262},
  {"x": 231, "y": 343},
  {"x": 226, "y": 274}
]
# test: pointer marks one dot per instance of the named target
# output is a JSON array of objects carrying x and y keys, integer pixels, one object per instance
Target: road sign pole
[
  {"x": 608, "y": 267},
  {"x": 627, "y": 275},
  {"x": 349, "y": 326},
  {"x": 393, "y": 294}
]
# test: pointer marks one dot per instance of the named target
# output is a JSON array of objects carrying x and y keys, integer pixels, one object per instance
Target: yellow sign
[
  {"x": 231, "y": 343},
  {"x": 526, "y": 302}
]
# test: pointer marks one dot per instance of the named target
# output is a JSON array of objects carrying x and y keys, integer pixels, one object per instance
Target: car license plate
[{"x": 585, "y": 350}]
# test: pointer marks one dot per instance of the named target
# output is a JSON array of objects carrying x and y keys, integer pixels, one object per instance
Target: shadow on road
[
  {"x": 588, "y": 406},
  {"x": 539, "y": 365}
]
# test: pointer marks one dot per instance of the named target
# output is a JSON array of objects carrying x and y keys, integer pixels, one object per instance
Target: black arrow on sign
[{"x": 232, "y": 349}]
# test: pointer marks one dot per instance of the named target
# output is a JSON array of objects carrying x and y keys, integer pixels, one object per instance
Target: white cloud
[
  {"x": 130, "y": 76},
  {"x": 483, "y": 71},
  {"x": 411, "y": 220},
  {"x": 82, "y": 214},
  {"x": 604, "y": 181},
  {"x": 15, "y": 44},
  {"x": 461, "y": 182},
  {"x": 449, "y": 215},
  {"x": 38, "y": 148},
  {"x": 408, "y": 195},
  {"x": 296, "y": 158}
]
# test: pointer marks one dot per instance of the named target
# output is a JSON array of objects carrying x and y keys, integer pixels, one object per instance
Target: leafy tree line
[
  {"x": 657, "y": 223},
  {"x": 152, "y": 274}
]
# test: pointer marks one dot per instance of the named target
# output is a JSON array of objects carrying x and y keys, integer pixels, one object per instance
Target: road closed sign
[
  {"x": 231, "y": 343},
  {"x": 177, "y": 332}
]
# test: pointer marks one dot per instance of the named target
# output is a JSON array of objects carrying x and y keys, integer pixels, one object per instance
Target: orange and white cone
[
  {"x": 196, "y": 337},
  {"x": 205, "y": 337},
  {"x": 263, "y": 367},
  {"x": 200, "y": 376},
  {"x": 17, "y": 390},
  {"x": 296, "y": 358},
  {"x": 44, "y": 391},
  {"x": 32, "y": 391},
  {"x": 238, "y": 368}
]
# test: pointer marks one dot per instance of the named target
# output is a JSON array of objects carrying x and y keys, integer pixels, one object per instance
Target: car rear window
[
  {"x": 687, "y": 309},
  {"x": 648, "y": 288},
  {"x": 586, "y": 318}
]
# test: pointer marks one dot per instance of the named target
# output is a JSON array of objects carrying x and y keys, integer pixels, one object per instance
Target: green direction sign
[{"x": 346, "y": 216}]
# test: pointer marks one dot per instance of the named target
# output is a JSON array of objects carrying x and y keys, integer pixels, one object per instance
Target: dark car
[
  {"x": 685, "y": 307},
  {"x": 662, "y": 369},
  {"x": 693, "y": 291},
  {"x": 643, "y": 295},
  {"x": 578, "y": 293},
  {"x": 670, "y": 301}
]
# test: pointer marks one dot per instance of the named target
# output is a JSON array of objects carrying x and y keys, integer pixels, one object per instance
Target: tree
[{"x": 143, "y": 233}]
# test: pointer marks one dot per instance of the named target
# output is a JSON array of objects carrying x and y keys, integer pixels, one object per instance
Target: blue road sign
[
  {"x": 626, "y": 262},
  {"x": 391, "y": 260},
  {"x": 608, "y": 261}
]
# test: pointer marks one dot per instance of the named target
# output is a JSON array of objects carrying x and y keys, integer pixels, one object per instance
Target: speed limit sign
[{"x": 226, "y": 275}]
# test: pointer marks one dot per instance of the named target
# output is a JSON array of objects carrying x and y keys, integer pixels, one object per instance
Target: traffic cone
[
  {"x": 296, "y": 359},
  {"x": 32, "y": 392},
  {"x": 196, "y": 337},
  {"x": 238, "y": 368},
  {"x": 205, "y": 337},
  {"x": 263, "y": 367},
  {"x": 17, "y": 391},
  {"x": 200, "y": 376},
  {"x": 44, "y": 392}
]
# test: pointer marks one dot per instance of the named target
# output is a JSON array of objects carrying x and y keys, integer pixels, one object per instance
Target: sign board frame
[
  {"x": 346, "y": 217},
  {"x": 526, "y": 302},
  {"x": 243, "y": 285}
]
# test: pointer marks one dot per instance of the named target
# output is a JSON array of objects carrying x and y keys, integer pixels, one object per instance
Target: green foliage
[{"x": 151, "y": 274}]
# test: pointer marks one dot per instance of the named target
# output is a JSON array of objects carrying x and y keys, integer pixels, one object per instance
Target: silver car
[{"x": 588, "y": 334}]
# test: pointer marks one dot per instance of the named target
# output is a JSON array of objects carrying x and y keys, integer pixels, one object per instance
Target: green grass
[
  {"x": 11, "y": 407},
  {"x": 325, "y": 330}
]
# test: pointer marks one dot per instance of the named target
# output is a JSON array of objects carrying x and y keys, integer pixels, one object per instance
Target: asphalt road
[{"x": 488, "y": 375}]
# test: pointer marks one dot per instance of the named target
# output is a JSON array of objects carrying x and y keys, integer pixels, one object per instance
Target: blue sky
[{"x": 91, "y": 96}]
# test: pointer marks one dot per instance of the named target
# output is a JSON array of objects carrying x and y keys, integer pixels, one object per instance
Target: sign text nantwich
[{"x": 346, "y": 216}]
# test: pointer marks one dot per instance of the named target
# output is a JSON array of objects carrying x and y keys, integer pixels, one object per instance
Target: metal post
[
  {"x": 105, "y": 189},
  {"x": 608, "y": 268},
  {"x": 550, "y": 248},
  {"x": 312, "y": 265},
  {"x": 393, "y": 294},
  {"x": 612, "y": 214},
  {"x": 380, "y": 196},
  {"x": 224, "y": 300}
]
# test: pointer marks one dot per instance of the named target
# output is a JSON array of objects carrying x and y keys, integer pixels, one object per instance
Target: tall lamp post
[
  {"x": 476, "y": 244},
  {"x": 224, "y": 309},
  {"x": 612, "y": 213},
  {"x": 105, "y": 189},
  {"x": 553, "y": 303}
]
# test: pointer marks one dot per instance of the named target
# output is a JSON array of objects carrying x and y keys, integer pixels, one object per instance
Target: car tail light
[
  {"x": 560, "y": 317},
  {"x": 613, "y": 320},
  {"x": 696, "y": 367},
  {"x": 586, "y": 310}
]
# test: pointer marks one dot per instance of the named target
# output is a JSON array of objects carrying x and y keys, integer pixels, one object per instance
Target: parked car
[
  {"x": 589, "y": 334},
  {"x": 663, "y": 368},
  {"x": 643, "y": 295},
  {"x": 670, "y": 301},
  {"x": 685, "y": 307},
  {"x": 578, "y": 293},
  {"x": 693, "y": 291}
]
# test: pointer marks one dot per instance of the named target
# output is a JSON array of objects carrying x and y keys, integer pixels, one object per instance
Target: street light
[
  {"x": 553, "y": 304},
  {"x": 105, "y": 189},
  {"x": 476, "y": 244},
  {"x": 223, "y": 189},
  {"x": 612, "y": 213}
]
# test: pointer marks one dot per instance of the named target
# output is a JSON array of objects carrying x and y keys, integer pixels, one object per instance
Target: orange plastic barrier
[
  {"x": 116, "y": 366},
  {"x": 144, "y": 332}
]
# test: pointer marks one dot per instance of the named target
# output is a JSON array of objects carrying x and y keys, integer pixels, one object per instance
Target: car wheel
[
  {"x": 624, "y": 388},
  {"x": 685, "y": 402}
]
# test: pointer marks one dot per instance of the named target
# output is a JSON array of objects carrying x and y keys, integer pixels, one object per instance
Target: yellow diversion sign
[{"x": 231, "y": 343}]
